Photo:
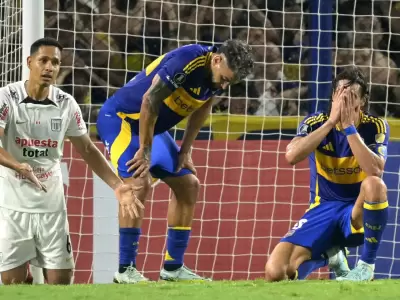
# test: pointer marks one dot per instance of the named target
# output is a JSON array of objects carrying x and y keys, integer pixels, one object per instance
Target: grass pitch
[{"x": 217, "y": 290}]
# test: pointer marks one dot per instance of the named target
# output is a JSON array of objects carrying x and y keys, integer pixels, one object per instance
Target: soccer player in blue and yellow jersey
[
  {"x": 347, "y": 150},
  {"x": 133, "y": 125}
]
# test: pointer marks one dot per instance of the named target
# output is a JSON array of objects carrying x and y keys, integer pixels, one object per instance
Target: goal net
[{"x": 250, "y": 196}]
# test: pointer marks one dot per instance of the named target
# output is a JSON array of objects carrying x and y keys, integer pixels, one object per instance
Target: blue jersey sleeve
[
  {"x": 177, "y": 69},
  {"x": 310, "y": 123},
  {"x": 379, "y": 137}
]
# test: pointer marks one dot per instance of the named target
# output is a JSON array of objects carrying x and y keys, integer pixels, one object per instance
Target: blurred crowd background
[{"x": 108, "y": 41}]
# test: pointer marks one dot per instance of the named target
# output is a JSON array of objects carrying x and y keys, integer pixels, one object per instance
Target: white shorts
[{"x": 39, "y": 238}]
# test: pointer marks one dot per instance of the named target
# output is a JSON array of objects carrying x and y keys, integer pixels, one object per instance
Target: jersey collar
[{"x": 25, "y": 94}]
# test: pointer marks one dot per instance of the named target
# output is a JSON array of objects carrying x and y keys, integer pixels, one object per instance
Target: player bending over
[
  {"x": 35, "y": 117},
  {"x": 133, "y": 125},
  {"x": 347, "y": 151}
]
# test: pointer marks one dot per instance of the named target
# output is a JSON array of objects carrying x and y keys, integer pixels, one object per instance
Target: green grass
[{"x": 217, "y": 290}]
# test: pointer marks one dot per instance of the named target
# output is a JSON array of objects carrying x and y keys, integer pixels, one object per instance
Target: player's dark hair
[
  {"x": 239, "y": 57},
  {"x": 353, "y": 75},
  {"x": 47, "y": 41}
]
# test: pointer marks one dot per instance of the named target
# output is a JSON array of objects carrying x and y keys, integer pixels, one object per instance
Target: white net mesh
[
  {"x": 250, "y": 196},
  {"x": 10, "y": 41}
]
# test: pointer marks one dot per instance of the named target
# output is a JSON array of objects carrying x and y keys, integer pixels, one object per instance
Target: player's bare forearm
[
  {"x": 151, "y": 104},
  {"x": 194, "y": 124},
  {"x": 371, "y": 163},
  {"x": 8, "y": 161},
  {"x": 95, "y": 160},
  {"x": 301, "y": 147}
]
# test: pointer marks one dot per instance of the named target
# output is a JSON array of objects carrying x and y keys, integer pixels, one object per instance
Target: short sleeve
[
  {"x": 175, "y": 70},
  {"x": 4, "y": 108},
  {"x": 76, "y": 126},
  {"x": 380, "y": 132},
  {"x": 308, "y": 124}
]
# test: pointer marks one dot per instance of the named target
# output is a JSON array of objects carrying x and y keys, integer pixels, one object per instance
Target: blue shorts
[
  {"x": 122, "y": 144},
  {"x": 325, "y": 226}
]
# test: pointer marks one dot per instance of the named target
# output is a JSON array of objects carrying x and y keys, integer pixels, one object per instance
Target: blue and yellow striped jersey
[
  {"x": 185, "y": 71},
  {"x": 335, "y": 173}
]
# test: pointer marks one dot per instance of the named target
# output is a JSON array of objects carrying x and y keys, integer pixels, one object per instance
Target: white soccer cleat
[
  {"x": 181, "y": 274},
  {"x": 131, "y": 275},
  {"x": 338, "y": 262}
]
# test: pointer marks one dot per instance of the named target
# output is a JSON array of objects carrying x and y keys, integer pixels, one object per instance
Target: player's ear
[{"x": 29, "y": 61}]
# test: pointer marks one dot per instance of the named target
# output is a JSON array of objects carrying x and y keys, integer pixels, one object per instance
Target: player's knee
[
  {"x": 374, "y": 189},
  {"x": 275, "y": 272},
  {"x": 144, "y": 183},
  {"x": 190, "y": 190},
  {"x": 58, "y": 277},
  {"x": 8, "y": 278}
]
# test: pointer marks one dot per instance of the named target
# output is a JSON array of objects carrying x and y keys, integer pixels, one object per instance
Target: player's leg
[
  {"x": 185, "y": 187},
  {"x": 122, "y": 145},
  {"x": 53, "y": 247},
  {"x": 369, "y": 214},
  {"x": 304, "y": 247},
  {"x": 17, "y": 246}
]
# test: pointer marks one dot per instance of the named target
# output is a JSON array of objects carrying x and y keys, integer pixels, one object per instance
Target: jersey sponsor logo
[
  {"x": 55, "y": 124},
  {"x": 22, "y": 142},
  {"x": 328, "y": 147},
  {"x": 186, "y": 107},
  {"x": 78, "y": 119},
  {"x": 196, "y": 90},
  {"x": 4, "y": 111},
  {"x": 341, "y": 171},
  {"x": 182, "y": 103}
]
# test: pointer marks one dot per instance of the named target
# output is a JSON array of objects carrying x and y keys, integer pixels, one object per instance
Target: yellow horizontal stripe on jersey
[
  {"x": 194, "y": 62},
  {"x": 182, "y": 103},
  {"x": 150, "y": 68},
  {"x": 341, "y": 170}
]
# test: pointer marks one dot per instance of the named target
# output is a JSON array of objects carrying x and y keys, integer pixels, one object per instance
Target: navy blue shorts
[
  {"x": 325, "y": 226},
  {"x": 122, "y": 144}
]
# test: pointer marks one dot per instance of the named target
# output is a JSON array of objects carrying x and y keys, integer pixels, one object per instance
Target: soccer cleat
[
  {"x": 131, "y": 275},
  {"x": 338, "y": 264},
  {"x": 363, "y": 272},
  {"x": 181, "y": 274}
]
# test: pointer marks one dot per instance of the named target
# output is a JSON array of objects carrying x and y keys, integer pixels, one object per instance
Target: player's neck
[{"x": 36, "y": 91}]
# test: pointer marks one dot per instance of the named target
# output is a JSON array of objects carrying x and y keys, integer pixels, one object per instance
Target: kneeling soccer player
[
  {"x": 133, "y": 124},
  {"x": 347, "y": 152}
]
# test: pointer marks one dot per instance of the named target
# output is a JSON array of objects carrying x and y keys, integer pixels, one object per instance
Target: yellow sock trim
[
  {"x": 376, "y": 206},
  {"x": 181, "y": 228}
]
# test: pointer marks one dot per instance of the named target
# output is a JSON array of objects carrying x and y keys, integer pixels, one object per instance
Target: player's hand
[
  {"x": 348, "y": 108},
  {"x": 337, "y": 100},
  {"x": 185, "y": 161},
  {"x": 130, "y": 204},
  {"x": 26, "y": 171},
  {"x": 140, "y": 162}
]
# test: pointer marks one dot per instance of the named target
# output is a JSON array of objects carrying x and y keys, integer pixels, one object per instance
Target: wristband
[{"x": 350, "y": 130}]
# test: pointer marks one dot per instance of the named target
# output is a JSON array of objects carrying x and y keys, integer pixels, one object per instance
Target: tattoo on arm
[{"x": 157, "y": 93}]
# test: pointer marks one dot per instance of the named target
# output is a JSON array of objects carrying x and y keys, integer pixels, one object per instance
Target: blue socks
[
  {"x": 375, "y": 219},
  {"x": 177, "y": 242},
  {"x": 307, "y": 267},
  {"x": 128, "y": 247}
]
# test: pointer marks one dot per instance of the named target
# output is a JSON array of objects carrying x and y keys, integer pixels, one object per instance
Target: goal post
[{"x": 32, "y": 30}]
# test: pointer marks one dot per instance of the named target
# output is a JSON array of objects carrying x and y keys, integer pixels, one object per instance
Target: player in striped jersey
[
  {"x": 133, "y": 124},
  {"x": 347, "y": 151}
]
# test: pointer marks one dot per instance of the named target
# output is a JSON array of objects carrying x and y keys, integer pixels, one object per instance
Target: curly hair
[
  {"x": 353, "y": 75},
  {"x": 239, "y": 57}
]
